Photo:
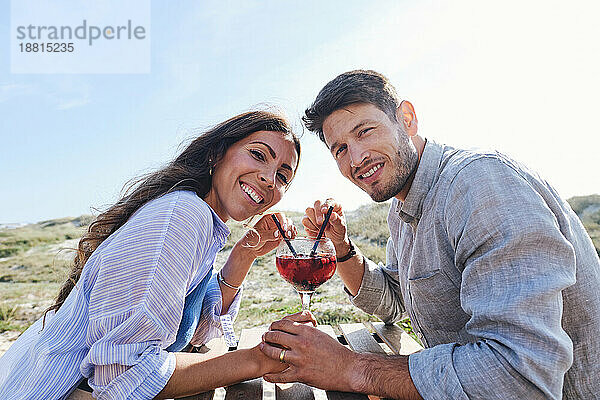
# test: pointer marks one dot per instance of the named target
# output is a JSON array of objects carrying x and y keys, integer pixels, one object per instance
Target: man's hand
[
  {"x": 335, "y": 230},
  {"x": 314, "y": 357}
]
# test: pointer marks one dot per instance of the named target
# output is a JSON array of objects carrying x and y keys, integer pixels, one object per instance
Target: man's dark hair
[{"x": 352, "y": 87}]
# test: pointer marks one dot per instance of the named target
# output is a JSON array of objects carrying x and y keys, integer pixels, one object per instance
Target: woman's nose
[{"x": 268, "y": 178}]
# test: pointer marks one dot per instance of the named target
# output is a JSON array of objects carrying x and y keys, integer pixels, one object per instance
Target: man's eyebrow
[
  {"x": 334, "y": 145},
  {"x": 273, "y": 154},
  {"x": 361, "y": 124},
  {"x": 271, "y": 151}
]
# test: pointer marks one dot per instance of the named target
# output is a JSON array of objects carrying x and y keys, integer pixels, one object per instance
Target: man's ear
[{"x": 405, "y": 115}]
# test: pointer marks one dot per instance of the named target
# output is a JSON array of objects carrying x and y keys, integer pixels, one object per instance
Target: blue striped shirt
[{"x": 126, "y": 308}]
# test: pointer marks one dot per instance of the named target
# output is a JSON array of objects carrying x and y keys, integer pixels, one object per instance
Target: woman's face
[{"x": 252, "y": 175}]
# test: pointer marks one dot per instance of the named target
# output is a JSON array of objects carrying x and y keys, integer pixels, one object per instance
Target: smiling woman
[{"x": 143, "y": 278}]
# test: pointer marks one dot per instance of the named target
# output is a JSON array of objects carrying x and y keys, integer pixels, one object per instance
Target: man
[{"x": 495, "y": 271}]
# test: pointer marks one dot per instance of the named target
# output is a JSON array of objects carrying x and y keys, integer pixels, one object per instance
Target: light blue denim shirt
[
  {"x": 499, "y": 278},
  {"x": 116, "y": 324}
]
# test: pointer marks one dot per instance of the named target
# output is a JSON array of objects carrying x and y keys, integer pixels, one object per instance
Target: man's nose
[{"x": 358, "y": 155}]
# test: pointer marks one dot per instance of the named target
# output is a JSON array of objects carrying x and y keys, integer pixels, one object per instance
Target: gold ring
[{"x": 282, "y": 355}]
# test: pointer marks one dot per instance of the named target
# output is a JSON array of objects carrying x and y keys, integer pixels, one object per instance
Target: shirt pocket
[{"x": 435, "y": 300}]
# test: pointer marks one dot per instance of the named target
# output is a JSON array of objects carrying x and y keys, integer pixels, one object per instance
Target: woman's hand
[
  {"x": 256, "y": 242},
  {"x": 265, "y": 236}
]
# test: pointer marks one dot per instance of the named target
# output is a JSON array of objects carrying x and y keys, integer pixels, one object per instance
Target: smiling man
[{"x": 495, "y": 271}]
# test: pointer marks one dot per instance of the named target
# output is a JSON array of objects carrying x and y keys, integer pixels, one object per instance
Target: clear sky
[{"x": 518, "y": 76}]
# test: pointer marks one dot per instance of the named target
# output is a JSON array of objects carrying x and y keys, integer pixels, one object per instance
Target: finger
[
  {"x": 318, "y": 213},
  {"x": 290, "y": 227},
  {"x": 303, "y": 317},
  {"x": 310, "y": 213},
  {"x": 337, "y": 207},
  {"x": 336, "y": 224},
  {"x": 285, "y": 325},
  {"x": 282, "y": 220},
  {"x": 279, "y": 338},
  {"x": 273, "y": 352},
  {"x": 308, "y": 223}
]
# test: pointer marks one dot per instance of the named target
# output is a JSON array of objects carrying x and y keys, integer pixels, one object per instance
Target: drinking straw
[
  {"x": 325, "y": 221},
  {"x": 287, "y": 241}
]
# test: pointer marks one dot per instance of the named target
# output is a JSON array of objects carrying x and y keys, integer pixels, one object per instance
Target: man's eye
[
  {"x": 258, "y": 155},
  {"x": 364, "y": 131},
  {"x": 340, "y": 150},
  {"x": 282, "y": 178}
]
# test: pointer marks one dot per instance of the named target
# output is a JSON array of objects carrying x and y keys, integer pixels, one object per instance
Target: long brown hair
[{"x": 191, "y": 170}]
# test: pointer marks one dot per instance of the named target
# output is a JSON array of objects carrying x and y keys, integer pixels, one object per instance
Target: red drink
[{"x": 306, "y": 273}]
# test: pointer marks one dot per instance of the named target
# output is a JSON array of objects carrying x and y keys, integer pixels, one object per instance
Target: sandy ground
[{"x": 6, "y": 339}]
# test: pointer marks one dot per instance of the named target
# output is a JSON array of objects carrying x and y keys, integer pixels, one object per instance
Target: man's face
[{"x": 371, "y": 150}]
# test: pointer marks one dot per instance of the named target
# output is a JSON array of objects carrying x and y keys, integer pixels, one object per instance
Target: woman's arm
[
  {"x": 258, "y": 241},
  {"x": 195, "y": 373}
]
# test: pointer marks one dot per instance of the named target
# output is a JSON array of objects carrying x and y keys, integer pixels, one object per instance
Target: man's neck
[{"x": 419, "y": 143}]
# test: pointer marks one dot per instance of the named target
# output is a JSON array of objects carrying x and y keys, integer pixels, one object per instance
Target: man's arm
[
  {"x": 317, "y": 359},
  {"x": 515, "y": 263}
]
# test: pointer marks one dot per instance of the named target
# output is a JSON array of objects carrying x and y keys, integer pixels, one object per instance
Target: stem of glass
[{"x": 305, "y": 297}]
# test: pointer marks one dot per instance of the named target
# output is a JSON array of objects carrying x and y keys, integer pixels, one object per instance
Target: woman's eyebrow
[
  {"x": 271, "y": 151},
  {"x": 273, "y": 154}
]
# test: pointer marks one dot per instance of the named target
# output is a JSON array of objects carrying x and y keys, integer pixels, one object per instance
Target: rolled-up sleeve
[
  {"x": 515, "y": 263},
  {"x": 128, "y": 361},
  {"x": 379, "y": 293},
  {"x": 209, "y": 326}
]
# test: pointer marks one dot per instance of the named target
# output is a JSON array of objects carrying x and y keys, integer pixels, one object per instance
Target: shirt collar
[
  {"x": 410, "y": 210},
  {"x": 220, "y": 230}
]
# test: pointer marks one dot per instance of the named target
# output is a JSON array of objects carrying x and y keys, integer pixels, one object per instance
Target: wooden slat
[
  {"x": 397, "y": 340},
  {"x": 345, "y": 396},
  {"x": 202, "y": 396},
  {"x": 359, "y": 339},
  {"x": 328, "y": 329},
  {"x": 252, "y": 389},
  {"x": 294, "y": 391}
]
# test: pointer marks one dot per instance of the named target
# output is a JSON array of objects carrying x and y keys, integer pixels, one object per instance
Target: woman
[{"x": 143, "y": 273}]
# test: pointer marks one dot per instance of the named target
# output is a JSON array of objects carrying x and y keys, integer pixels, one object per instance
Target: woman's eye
[
  {"x": 258, "y": 155},
  {"x": 282, "y": 178}
]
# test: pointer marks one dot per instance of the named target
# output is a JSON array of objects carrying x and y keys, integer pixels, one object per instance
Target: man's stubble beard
[{"x": 407, "y": 161}]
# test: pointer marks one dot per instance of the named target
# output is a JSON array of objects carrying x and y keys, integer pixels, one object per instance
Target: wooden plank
[
  {"x": 397, "y": 340},
  {"x": 328, "y": 329},
  {"x": 293, "y": 391},
  {"x": 345, "y": 396},
  {"x": 252, "y": 389},
  {"x": 202, "y": 396},
  {"x": 360, "y": 339}
]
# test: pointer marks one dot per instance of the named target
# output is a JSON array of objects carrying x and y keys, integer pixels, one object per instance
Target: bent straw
[
  {"x": 325, "y": 221},
  {"x": 287, "y": 241}
]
